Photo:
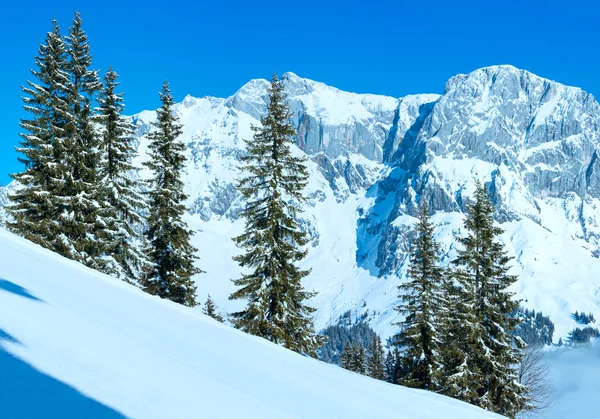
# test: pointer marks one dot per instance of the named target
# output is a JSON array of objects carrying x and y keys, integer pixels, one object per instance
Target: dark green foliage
[
  {"x": 583, "y": 318},
  {"x": 169, "y": 249},
  {"x": 210, "y": 309},
  {"x": 354, "y": 358},
  {"x": 81, "y": 220},
  {"x": 358, "y": 362},
  {"x": 376, "y": 359},
  {"x": 480, "y": 356},
  {"x": 579, "y": 336},
  {"x": 34, "y": 208},
  {"x": 59, "y": 204},
  {"x": 347, "y": 355},
  {"x": 339, "y": 335},
  {"x": 393, "y": 366},
  {"x": 424, "y": 304},
  {"x": 535, "y": 328},
  {"x": 123, "y": 201},
  {"x": 272, "y": 240}
]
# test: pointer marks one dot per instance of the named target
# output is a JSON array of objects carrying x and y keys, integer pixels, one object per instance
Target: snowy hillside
[
  {"x": 374, "y": 158},
  {"x": 75, "y": 343}
]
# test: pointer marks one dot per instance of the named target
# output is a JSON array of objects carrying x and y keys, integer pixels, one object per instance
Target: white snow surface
[{"x": 75, "y": 343}]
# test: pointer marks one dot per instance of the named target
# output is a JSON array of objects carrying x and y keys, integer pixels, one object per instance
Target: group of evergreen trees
[
  {"x": 340, "y": 335},
  {"x": 370, "y": 361},
  {"x": 78, "y": 194},
  {"x": 456, "y": 338},
  {"x": 583, "y": 318},
  {"x": 579, "y": 336},
  {"x": 534, "y": 328}
]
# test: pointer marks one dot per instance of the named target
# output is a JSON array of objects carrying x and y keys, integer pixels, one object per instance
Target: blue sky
[{"x": 387, "y": 47}]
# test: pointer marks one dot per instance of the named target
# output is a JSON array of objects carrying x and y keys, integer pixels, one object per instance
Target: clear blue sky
[{"x": 388, "y": 47}]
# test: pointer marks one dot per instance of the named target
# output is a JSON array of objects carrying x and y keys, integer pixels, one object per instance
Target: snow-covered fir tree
[
  {"x": 424, "y": 304},
  {"x": 210, "y": 309},
  {"x": 359, "y": 361},
  {"x": 273, "y": 241},
  {"x": 35, "y": 208},
  {"x": 354, "y": 358},
  {"x": 123, "y": 202},
  {"x": 81, "y": 220},
  {"x": 347, "y": 356},
  {"x": 376, "y": 360},
  {"x": 169, "y": 250},
  {"x": 485, "y": 356}
]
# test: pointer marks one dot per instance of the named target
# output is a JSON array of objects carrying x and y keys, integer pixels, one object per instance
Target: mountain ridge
[{"x": 374, "y": 158}]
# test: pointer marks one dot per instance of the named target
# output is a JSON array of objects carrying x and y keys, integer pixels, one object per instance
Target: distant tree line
[
  {"x": 583, "y": 318},
  {"x": 534, "y": 328}
]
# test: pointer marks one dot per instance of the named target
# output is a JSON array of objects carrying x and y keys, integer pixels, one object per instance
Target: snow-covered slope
[{"x": 75, "y": 343}]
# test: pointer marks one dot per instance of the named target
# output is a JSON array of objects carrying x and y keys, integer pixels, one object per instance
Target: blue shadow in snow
[
  {"x": 13, "y": 288},
  {"x": 27, "y": 393}
]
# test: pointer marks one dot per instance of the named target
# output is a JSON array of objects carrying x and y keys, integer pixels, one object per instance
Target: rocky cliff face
[
  {"x": 534, "y": 141},
  {"x": 373, "y": 159}
]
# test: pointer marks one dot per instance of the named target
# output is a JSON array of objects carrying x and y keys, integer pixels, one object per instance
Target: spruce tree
[
  {"x": 463, "y": 342},
  {"x": 347, "y": 356},
  {"x": 35, "y": 207},
  {"x": 358, "y": 360},
  {"x": 484, "y": 321},
  {"x": 169, "y": 249},
  {"x": 273, "y": 241},
  {"x": 393, "y": 366},
  {"x": 424, "y": 304},
  {"x": 376, "y": 362},
  {"x": 122, "y": 199},
  {"x": 81, "y": 221},
  {"x": 210, "y": 309}
]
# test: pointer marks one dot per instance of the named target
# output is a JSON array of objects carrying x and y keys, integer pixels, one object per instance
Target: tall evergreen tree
[
  {"x": 122, "y": 203},
  {"x": 358, "y": 363},
  {"x": 347, "y": 356},
  {"x": 484, "y": 320},
  {"x": 170, "y": 252},
  {"x": 393, "y": 366},
  {"x": 273, "y": 241},
  {"x": 424, "y": 305},
  {"x": 376, "y": 361},
  {"x": 35, "y": 207},
  {"x": 80, "y": 219}
]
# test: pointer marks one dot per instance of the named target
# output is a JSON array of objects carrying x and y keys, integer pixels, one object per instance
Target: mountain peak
[{"x": 508, "y": 75}]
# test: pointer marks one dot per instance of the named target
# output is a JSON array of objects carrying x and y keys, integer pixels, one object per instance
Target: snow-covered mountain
[
  {"x": 374, "y": 158},
  {"x": 75, "y": 343}
]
